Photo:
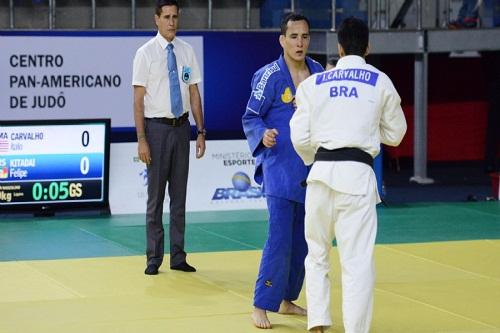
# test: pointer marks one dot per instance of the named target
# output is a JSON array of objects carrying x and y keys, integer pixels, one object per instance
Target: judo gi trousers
[
  {"x": 352, "y": 221},
  {"x": 281, "y": 271}
]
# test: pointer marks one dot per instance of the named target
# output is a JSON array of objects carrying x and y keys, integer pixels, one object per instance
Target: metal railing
[{"x": 378, "y": 13}]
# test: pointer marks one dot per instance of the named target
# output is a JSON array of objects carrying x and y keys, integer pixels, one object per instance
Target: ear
[
  {"x": 157, "y": 20},
  {"x": 282, "y": 41},
  {"x": 367, "y": 50},
  {"x": 341, "y": 50}
]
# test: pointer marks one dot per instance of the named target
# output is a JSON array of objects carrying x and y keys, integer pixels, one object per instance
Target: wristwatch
[{"x": 202, "y": 132}]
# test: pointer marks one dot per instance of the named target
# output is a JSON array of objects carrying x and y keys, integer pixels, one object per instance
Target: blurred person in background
[
  {"x": 468, "y": 15},
  {"x": 331, "y": 63}
]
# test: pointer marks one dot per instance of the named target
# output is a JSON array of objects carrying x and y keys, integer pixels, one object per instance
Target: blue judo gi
[{"x": 280, "y": 171}]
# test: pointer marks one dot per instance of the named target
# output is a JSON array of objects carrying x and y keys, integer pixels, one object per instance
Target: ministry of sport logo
[{"x": 242, "y": 189}]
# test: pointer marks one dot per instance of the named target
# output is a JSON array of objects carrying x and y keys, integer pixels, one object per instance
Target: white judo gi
[{"x": 354, "y": 105}]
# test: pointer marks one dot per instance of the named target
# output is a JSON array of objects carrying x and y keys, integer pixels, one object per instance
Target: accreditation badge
[{"x": 186, "y": 74}]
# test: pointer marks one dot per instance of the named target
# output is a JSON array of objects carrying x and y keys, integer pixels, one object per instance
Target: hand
[
  {"x": 269, "y": 138},
  {"x": 144, "y": 153},
  {"x": 200, "y": 146}
]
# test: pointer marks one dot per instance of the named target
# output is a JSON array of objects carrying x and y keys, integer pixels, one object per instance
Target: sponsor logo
[
  {"x": 241, "y": 189},
  {"x": 237, "y": 158},
  {"x": 258, "y": 92},
  {"x": 144, "y": 173},
  {"x": 241, "y": 181},
  {"x": 144, "y": 176}
]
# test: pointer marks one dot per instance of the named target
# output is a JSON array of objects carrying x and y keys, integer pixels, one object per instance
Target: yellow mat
[{"x": 451, "y": 287}]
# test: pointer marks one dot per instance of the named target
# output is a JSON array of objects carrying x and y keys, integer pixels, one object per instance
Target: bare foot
[
  {"x": 260, "y": 320},
  {"x": 288, "y": 307},
  {"x": 317, "y": 329}
]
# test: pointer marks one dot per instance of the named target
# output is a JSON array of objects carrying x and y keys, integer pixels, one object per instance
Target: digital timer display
[
  {"x": 57, "y": 191},
  {"x": 60, "y": 162}
]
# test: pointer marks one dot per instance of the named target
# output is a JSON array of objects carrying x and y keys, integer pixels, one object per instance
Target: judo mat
[{"x": 438, "y": 270}]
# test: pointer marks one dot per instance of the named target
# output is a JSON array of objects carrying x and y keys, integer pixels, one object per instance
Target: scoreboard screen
[{"x": 53, "y": 164}]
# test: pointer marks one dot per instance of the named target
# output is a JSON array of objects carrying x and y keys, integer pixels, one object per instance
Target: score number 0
[
  {"x": 84, "y": 162},
  {"x": 61, "y": 190}
]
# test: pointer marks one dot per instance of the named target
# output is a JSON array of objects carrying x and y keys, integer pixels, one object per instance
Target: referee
[{"x": 165, "y": 78}]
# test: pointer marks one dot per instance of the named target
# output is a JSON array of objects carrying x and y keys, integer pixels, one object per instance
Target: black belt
[
  {"x": 344, "y": 154},
  {"x": 175, "y": 122}
]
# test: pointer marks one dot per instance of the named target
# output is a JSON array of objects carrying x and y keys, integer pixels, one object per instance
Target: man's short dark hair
[
  {"x": 292, "y": 17},
  {"x": 353, "y": 36},
  {"x": 161, "y": 3}
]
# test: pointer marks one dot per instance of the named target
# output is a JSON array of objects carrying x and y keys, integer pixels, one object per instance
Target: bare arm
[
  {"x": 195, "y": 99},
  {"x": 142, "y": 147}
]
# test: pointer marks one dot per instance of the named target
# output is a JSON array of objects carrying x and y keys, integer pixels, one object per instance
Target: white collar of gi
[
  {"x": 350, "y": 60},
  {"x": 163, "y": 42}
]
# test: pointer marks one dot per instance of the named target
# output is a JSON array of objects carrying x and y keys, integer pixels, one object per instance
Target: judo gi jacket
[{"x": 271, "y": 105}]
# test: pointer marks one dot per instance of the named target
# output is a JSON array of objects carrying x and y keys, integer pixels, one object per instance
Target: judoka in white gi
[{"x": 342, "y": 117}]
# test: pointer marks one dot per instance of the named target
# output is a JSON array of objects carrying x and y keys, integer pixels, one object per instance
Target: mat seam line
[
  {"x": 436, "y": 308},
  {"x": 131, "y": 251},
  {"x": 60, "y": 284},
  {"x": 228, "y": 238},
  {"x": 439, "y": 263}
]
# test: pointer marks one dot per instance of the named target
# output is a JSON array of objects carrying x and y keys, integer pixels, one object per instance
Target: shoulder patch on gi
[
  {"x": 287, "y": 95},
  {"x": 255, "y": 104}
]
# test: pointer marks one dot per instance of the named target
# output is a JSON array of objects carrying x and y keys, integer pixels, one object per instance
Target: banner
[
  {"x": 54, "y": 74},
  {"x": 72, "y": 77},
  {"x": 221, "y": 180}
]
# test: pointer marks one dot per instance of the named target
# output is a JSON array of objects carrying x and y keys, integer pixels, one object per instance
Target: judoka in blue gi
[{"x": 280, "y": 171}]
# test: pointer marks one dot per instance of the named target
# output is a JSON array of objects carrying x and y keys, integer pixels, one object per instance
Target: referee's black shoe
[
  {"x": 183, "y": 266},
  {"x": 152, "y": 269}
]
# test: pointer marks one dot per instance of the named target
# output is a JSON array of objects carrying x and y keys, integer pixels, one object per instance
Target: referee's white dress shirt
[{"x": 150, "y": 71}]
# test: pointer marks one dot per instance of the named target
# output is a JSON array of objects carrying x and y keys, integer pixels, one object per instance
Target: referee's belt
[
  {"x": 344, "y": 154},
  {"x": 175, "y": 122}
]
